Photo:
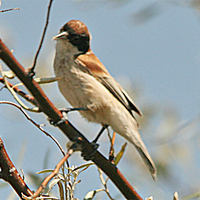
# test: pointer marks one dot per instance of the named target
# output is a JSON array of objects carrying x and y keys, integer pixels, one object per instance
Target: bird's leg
[
  {"x": 95, "y": 145},
  {"x": 100, "y": 133}
]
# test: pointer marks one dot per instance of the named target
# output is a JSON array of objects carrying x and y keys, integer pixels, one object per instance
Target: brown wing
[{"x": 98, "y": 70}]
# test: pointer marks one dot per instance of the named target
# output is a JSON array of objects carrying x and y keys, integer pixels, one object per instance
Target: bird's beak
[{"x": 61, "y": 35}]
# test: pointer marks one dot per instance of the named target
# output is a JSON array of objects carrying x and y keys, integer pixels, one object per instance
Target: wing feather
[{"x": 91, "y": 64}]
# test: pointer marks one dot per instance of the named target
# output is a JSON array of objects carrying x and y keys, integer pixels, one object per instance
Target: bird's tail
[
  {"x": 147, "y": 159},
  {"x": 140, "y": 146}
]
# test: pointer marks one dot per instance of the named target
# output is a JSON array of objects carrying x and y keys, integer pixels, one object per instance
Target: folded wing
[{"x": 98, "y": 70}]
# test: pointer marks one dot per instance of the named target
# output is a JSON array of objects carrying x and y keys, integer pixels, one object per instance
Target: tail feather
[{"x": 148, "y": 161}]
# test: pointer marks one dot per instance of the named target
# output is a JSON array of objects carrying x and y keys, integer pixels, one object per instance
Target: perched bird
[{"x": 86, "y": 83}]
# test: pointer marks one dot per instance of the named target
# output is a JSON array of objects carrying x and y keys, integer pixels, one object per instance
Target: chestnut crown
[{"x": 77, "y": 34}]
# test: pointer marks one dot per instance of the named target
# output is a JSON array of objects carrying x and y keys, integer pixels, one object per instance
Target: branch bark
[
  {"x": 27, "y": 97},
  {"x": 10, "y": 174},
  {"x": 66, "y": 127}
]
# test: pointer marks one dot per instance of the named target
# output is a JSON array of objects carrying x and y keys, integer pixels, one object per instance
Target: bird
[{"x": 86, "y": 83}]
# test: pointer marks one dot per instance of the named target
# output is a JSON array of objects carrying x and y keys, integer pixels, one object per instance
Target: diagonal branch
[{"x": 66, "y": 127}]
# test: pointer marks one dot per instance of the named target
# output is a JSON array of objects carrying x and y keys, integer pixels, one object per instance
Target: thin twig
[
  {"x": 10, "y": 9},
  {"x": 35, "y": 109},
  {"x": 56, "y": 170},
  {"x": 27, "y": 97},
  {"x": 37, "y": 125},
  {"x": 31, "y": 70},
  {"x": 104, "y": 183},
  {"x": 11, "y": 90}
]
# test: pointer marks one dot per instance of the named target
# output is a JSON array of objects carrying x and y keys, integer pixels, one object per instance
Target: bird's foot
[
  {"x": 89, "y": 156},
  {"x": 62, "y": 120},
  {"x": 65, "y": 111}
]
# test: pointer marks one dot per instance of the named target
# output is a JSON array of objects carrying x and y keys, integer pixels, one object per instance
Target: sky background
[{"x": 152, "y": 47}]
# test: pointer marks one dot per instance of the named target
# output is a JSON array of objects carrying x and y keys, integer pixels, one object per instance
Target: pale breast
[{"x": 82, "y": 90}]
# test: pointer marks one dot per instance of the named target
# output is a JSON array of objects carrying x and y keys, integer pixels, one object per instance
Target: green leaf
[
  {"x": 120, "y": 154},
  {"x": 45, "y": 171},
  {"x": 83, "y": 166}
]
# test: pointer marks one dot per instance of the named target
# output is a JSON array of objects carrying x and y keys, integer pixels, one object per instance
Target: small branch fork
[
  {"x": 27, "y": 97},
  {"x": 55, "y": 172},
  {"x": 66, "y": 127}
]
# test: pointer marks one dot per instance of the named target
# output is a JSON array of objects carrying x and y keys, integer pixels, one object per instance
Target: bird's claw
[
  {"x": 65, "y": 111},
  {"x": 90, "y": 156},
  {"x": 62, "y": 120}
]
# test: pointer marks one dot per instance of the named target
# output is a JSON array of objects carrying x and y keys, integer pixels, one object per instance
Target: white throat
[{"x": 65, "y": 49}]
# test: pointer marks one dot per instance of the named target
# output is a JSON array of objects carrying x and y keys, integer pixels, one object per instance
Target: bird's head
[{"x": 74, "y": 35}]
